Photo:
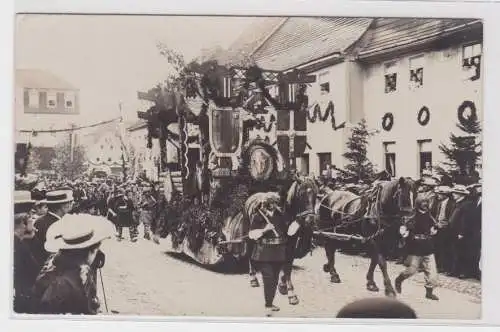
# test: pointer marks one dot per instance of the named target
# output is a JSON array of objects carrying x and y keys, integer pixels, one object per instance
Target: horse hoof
[
  {"x": 282, "y": 289},
  {"x": 254, "y": 283},
  {"x": 335, "y": 279},
  {"x": 293, "y": 300},
  {"x": 390, "y": 293},
  {"x": 372, "y": 287},
  {"x": 325, "y": 268}
]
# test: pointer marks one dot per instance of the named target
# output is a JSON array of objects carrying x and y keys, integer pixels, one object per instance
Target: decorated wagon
[{"x": 207, "y": 217}]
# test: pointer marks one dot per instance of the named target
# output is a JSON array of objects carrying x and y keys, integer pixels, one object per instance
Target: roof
[
  {"x": 300, "y": 40},
  {"x": 389, "y": 33},
  {"x": 246, "y": 44},
  {"x": 39, "y": 79}
]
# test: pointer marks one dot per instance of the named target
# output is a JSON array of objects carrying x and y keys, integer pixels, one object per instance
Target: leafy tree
[
  {"x": 176, "y": 80},
  {"x": 462, "y": 153},
  {"x": 34, "y": 161},
  {"x": 357, "y": 152},
  {"x": 62, "y": 163}
]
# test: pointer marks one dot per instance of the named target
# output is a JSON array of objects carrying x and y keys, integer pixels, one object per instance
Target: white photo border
[{"x": 491, "y": 184}]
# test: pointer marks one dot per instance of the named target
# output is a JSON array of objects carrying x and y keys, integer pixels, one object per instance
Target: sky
[{"x": 110, "y": 58}]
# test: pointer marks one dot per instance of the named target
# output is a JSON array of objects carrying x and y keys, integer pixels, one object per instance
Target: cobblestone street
[{"x": 145, "y": 279}]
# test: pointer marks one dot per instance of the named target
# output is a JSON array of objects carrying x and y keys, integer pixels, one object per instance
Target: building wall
[
  {"x": 107, "y": 150},
  {"x": 33, "y": 118},
  {"x": 444, "y": 89},
  {"x": 321, "y": 136},
  {"x": 145, "y": 158}
]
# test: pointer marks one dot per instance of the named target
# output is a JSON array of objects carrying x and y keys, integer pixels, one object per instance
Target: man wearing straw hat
[
  {"x": 68, "y": 282},
  {"x": 25, "y": 265},
  {"x": 59, "y": 202}
]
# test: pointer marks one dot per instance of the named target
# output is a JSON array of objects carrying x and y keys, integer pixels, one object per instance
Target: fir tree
[
  {"x": 357, "y": 151},
  {"x": 463, "y": 152}
]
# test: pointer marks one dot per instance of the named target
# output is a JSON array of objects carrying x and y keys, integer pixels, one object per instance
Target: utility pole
[
  {"x": 120, "y": 128},
  {"x": 71, "y": 150}
]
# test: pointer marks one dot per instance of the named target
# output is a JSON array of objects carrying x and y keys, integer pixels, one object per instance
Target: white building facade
[{"x": 387, "y": 68}]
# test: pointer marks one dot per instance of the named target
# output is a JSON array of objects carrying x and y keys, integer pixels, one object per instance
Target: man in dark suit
[
  {"x": 59, "y": 203},
  {"x": 268, "y": 228},
  {"x": 441, "y": 210},
  {"x": 25, "y": 266},
  {"x": 475, "y": 227},
  {"x": 460, "y": 222}
]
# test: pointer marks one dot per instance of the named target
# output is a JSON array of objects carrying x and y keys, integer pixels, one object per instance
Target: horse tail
[{"x": 236, "y": 228}]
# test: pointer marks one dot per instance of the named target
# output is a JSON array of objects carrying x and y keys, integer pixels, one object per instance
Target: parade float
[{"x": 205, "y": 215}]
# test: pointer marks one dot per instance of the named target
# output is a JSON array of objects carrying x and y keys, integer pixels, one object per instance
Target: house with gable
[{"x": 422, "y": 75}]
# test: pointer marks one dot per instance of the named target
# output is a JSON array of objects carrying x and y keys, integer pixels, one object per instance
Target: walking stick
[{"x": 103, "y": 292}]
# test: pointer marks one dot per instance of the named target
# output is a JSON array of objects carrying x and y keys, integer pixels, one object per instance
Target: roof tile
[
  {"x": 39, "y": 79},
  {"x": 304, "y": 39},
  {"x": 388, "y": 33}
]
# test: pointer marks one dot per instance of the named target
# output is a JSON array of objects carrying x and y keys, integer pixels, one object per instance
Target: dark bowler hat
[
  {"x": 59, "y": 196},
  {"x": 22, "y": 201},
  {"x": 377, "y": 308}
]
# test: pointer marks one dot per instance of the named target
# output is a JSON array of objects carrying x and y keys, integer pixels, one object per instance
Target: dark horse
[
  {"x": 299, "y": 203},
  {"x": 373, "y": 218}
]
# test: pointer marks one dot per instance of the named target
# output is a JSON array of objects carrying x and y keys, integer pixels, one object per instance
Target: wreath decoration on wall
[
  {"x": 461, "y": 110},
  {"x": 387, "y": 121},
  {"x": 424, "y": 116}
]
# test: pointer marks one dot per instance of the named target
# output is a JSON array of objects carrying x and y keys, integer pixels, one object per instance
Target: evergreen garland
[{"x": 329, "y": 113}]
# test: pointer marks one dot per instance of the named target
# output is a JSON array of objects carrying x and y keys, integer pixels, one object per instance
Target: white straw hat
[
  {"x": 59, "y": 196},
  {"x": 77, "y": 231},
  {"x": 460, "y": 189}
]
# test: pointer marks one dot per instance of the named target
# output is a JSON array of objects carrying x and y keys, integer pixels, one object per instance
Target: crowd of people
[
  {"x": 59, "y": 226},
  {"x": 57, "y": 254},
  {"x": 454, "y": 209}
]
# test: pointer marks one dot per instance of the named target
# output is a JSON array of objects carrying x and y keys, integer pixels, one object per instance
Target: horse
[
  {"x": 373, "y": 218},
  {"x": 299, "y": 206}
]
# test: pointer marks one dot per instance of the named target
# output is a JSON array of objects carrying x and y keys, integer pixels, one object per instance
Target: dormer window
[
  {"x": 390, "y": 77},
  {"x": 416, "y": 72},
  {"x": 471, "y": 63}
]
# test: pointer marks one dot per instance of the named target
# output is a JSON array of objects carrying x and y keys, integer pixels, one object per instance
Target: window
[
  {"x": 390, "y": 158},
  {"x": 325, "y": 160},
  {"x": 69, "y": 100},
  {"x": 51, "y": 100},
  {"x": 471, "y": 55},
  {"x": 323, "y": 83},
  {"x": 390, "y": 77},
  {"x": 416, "y": 72},
  {"x": 425, "y": 155},
  {"x": 33, "y": 98}
]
